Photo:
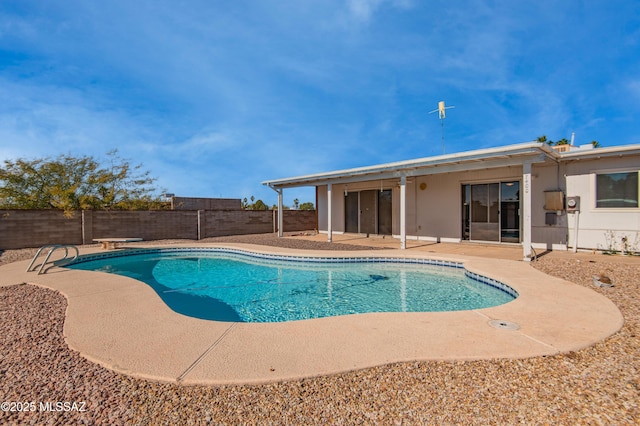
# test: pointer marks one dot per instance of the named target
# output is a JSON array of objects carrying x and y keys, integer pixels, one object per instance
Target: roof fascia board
[
  {"x": 483, "y": 154},
  {"x": 477, "y": 164},
  {"x": 616, "y": 151}
]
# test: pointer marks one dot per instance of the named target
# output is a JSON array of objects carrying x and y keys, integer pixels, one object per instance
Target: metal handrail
[
  {"x": 38, "y": 254},
  {"x": 53, "y": 248}
]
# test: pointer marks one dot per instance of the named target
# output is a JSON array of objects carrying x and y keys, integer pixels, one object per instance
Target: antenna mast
[{"x": 442, "y": 115}]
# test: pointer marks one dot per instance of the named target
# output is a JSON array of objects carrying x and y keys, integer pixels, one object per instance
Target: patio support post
[
  {"x": 526, "y": 210},
  {"x": 280, "y": 213},
  {"x": 403, "y": 212},
  {"x": 329, "y": 231}
]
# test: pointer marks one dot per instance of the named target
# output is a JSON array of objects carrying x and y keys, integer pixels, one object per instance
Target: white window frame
[{"x": 594, "y": 190}]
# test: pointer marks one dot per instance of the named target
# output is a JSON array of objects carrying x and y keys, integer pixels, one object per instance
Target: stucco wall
[
  {"x": 322, "y": 207},
  {"x": 434, "y": 212},
  {"x": 544, "y": 236},
  {"x": 595, "y": 223},
  {"x": 337, "y": 207}
]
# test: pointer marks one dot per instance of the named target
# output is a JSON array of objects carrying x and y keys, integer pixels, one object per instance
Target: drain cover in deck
[{"x": 504, "y": 325}]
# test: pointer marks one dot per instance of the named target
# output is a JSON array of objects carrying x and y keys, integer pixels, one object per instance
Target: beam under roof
[{"x": 511, "y": 155}]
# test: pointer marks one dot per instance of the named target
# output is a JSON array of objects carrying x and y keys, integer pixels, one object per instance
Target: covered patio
[{"x": 447, "y": 173}]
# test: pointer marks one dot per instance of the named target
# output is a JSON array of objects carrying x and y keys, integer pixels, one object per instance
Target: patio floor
[{"x": 496, "y": 251}]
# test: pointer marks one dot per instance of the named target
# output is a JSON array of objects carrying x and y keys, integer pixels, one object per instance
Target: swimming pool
[{"x": 238, "y": 286}]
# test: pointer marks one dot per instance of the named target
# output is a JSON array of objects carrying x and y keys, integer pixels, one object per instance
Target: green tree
[
  {"x": 307, "y": 206},
  {"x": 71, "y": 183},
  {"x": 255, "y": 204},
  {"x": 259, "y": 205},
  {"x": 543, "y": 139}
]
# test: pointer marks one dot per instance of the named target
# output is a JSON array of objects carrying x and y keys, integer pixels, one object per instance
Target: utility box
[
  {"x": 550, "y": 218},
  {"x": 553, "y": 200},
  {"x": 573, "y": 204}
]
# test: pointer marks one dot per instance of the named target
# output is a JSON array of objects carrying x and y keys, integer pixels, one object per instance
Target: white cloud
[
  {"x": 210, "y": 94},
  {"x": 209, "y": 143},
  {"x": 363, "y": 10}
]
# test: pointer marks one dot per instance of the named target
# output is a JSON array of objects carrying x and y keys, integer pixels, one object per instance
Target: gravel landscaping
[{"x": 596, "y": 385}]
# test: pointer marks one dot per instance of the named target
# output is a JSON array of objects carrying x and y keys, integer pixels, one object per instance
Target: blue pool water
[{"x": 234, "y": 287}]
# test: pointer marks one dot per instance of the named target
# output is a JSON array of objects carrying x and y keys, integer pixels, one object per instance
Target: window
[{"x": 617, "y": 190}]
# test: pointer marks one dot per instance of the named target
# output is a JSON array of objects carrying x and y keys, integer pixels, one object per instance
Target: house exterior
[{"x": 531, "y": 194}]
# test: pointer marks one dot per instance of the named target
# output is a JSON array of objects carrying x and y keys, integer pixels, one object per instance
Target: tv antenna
[{"x": 442, "y": 115}]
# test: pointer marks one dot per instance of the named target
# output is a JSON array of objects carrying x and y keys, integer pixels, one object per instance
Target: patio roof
[{"x": 511, "y": 155}]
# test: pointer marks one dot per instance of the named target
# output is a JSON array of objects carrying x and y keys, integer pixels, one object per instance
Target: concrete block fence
[{"x": 35, "y": 228}]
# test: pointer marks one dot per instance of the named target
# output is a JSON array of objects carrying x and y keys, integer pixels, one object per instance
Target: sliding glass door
[
  {"x": 484, "y": 212},
  {"x": 491, "y": 212},
  {"x": 368, "y": 212},
  {"x": 510, "y": 212},
  {"x": 384, "y": 212},
  {"x": 351, "y": 212}
]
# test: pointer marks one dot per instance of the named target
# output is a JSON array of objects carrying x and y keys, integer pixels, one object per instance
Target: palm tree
[{"x": 543, "y": 139}]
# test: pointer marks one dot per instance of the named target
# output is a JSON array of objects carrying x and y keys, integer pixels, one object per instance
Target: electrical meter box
[
  {"x": 554, "y": 200},
  {"x": 573, "y": 204}
]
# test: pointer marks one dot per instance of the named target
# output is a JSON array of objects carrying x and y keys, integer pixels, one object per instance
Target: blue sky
[{"x": 213, "y": 97}]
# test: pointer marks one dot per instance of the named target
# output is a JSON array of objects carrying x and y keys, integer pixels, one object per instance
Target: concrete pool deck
[{"x": 122, "y": 324}]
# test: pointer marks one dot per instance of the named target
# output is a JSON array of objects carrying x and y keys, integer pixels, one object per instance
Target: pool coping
[{"x": 123, "y": 324}]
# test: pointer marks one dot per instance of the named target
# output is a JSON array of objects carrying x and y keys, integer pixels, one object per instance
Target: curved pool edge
[
  {"x": 122, "y": 324},
  {"x": 293, "y": 260}
]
